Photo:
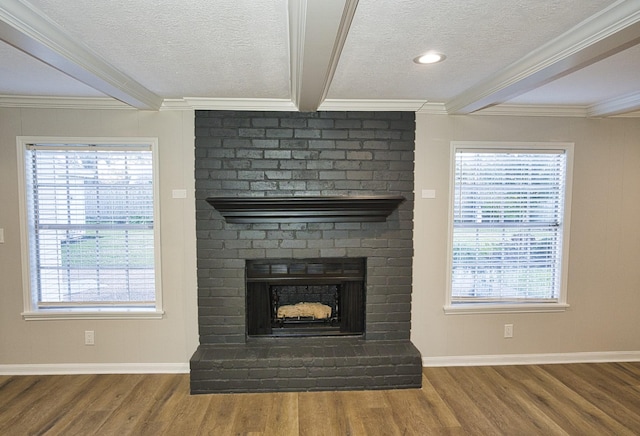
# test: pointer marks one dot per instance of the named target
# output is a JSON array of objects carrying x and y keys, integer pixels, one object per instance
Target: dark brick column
[{"x": 303, "y": 154}]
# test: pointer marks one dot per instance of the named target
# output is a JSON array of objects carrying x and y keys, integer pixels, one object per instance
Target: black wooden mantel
[{"x": 243, "y": 210}]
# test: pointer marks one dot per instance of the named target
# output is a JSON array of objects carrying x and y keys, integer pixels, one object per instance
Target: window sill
[
  {"x": 476, "y": 308},
  {"x": 99, "y": 313}
]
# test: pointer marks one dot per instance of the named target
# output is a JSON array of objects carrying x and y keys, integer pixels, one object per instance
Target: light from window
[
  {"x": 90, "y": 225},
  {"x": 508, "y": 224}
]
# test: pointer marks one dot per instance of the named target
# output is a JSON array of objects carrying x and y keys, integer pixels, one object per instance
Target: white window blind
[
  {"x": 508, "y": 219},
  {"x": 90, "y": 212}
]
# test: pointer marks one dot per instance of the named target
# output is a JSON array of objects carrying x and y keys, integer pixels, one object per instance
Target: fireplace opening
[{"x": 305, "y": 297}]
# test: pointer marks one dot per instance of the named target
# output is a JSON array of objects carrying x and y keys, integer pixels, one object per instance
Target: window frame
[
  {"x": 510, "y": 307},
  {"x": 32, "y": 310}
]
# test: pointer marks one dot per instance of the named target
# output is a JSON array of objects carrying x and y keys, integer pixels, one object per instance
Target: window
[
  {"x": 509, "y": 227},
  {"x": 89, "y": 228}
]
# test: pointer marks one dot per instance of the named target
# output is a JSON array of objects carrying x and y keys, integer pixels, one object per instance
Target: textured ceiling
[
  {"x": 193, "y": 48},
  {"x": 151, "y": 53},
  {"x": 479, "y": 37}
]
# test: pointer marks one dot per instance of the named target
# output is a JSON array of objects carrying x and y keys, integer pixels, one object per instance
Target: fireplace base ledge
[{"x": 306, "y": 364}]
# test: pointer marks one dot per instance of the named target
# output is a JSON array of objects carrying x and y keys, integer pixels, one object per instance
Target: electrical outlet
[
  {"x": 89, "y": 337},
  {"x": 508, "y": 330}
]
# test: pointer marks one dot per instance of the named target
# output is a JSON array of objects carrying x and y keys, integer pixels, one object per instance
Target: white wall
[
  {"x": 171, "y": 340},
  {"x": 604, "y": 263}
]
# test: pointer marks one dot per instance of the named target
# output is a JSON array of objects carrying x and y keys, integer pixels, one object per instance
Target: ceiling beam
[
  {"x": 615, "y": 106},
  {"x": 611, "y": 31},
  {"x": 317, "y": 32},
  {"x": 29, "y": 30}
]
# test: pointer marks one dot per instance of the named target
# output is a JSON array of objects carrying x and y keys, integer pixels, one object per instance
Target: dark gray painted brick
[
  {"x": 307, "y": 133},
  {"x": 322, "y": 144},
  {"x": 295, "y": 366},
  {"x": 265, "y": 143},
  {"x": 277, "y": 153},
  {"x": 294, "y": 144},
  {"x": 321, "y": 123},
  {"x": 296, "y": 122},
  {"x": 335, "y": 134},
  {"x": 264, "y": 122},
  {"x": 279, "y": 133}
]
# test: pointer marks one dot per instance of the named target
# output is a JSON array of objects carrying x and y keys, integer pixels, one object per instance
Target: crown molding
[
  {"x": 370, "y": 105},
  {"x": 283, "y": 105},
  {"x": 512, "y": 110},
  {"x": 201, "y": 103},
  {"x": 616, "y": 106},
  {"x": 613, "y": 30},
  {"x": 28, "y": 29},
  {"x": 534, "y": 110},
  {"x": 39, "y": 102},
  {"x": 635, "y": 114},
  {"x": 236, "y": 104},
  {"x": 433, "y": 109}
]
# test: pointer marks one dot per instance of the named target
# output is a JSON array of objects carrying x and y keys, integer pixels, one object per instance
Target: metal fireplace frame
[{"x": 348, "y": 311}]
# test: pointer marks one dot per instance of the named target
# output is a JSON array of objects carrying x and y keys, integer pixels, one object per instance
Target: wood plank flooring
[{"x": 576, "y": 399}]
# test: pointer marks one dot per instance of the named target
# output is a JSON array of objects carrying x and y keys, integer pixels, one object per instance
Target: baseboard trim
[
  {"x": 532, "y": 359},
  {"x": 94, "y": 368},
  {"x": 183, "y": 368}
]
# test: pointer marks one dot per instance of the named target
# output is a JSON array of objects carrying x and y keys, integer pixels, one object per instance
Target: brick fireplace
[{"x": 281, "y": 156}]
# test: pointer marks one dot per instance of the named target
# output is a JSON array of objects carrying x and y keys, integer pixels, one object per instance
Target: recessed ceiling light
[{"x": 431, "y": 57}]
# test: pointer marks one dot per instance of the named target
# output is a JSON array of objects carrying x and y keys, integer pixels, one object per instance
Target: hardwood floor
[{"x": 576, "y": 399}]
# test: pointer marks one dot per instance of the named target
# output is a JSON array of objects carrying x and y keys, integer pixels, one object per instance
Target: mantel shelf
[{"x": 244, "y": 210}]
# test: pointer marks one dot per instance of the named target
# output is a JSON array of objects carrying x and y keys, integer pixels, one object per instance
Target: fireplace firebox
[{"x": 305, "y": 297}]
